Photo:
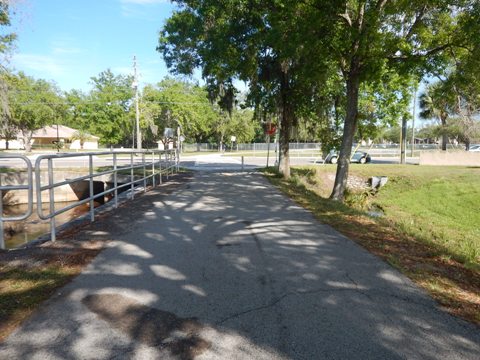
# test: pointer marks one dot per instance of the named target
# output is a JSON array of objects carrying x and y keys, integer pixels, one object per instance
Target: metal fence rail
[
  {"x": 142, "y": 168},
  {"x": 28, "y": 187}
]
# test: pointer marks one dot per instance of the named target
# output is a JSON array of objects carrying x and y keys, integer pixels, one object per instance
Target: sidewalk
[{"x": 226, "y": 267}]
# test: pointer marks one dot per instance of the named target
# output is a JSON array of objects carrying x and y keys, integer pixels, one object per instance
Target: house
[{"x": 48, "y": 136}]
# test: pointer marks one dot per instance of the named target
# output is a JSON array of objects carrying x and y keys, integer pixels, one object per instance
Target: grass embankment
[{"x": 430, "y": 228}]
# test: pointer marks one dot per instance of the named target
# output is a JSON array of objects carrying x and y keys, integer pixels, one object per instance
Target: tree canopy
[
  {"x": 371, "y": 51},
  {"x": 33, "y": 104},
  {"x": 172, "y": 103}
]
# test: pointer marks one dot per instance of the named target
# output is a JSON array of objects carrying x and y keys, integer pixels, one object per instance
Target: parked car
[
  {"x": 474, "y": 148},
  {"x": 360, "y": 157}
]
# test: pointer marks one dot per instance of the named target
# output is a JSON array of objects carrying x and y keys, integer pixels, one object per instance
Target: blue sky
[{"x": 69, "y": 41}]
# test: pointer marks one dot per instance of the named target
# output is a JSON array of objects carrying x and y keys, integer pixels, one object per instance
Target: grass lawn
[
  {"x": 439, "y": 204},
  {"x": 430, "y": 228},
  {"x": 5, "y": 170}
]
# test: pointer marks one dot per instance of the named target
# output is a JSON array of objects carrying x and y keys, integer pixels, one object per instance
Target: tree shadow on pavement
[{"x": 227, "y": 267}]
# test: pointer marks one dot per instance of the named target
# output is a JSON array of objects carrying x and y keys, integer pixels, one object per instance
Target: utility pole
[{"x": 137, "y": 111}]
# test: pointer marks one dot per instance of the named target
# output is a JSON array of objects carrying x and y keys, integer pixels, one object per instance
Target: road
[
  {"x": 219, "y": 161},
  {"x": 226, "y": 267}
]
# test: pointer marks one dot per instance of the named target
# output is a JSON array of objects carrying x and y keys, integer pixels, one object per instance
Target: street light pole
[{"x": 137, "y": 111}]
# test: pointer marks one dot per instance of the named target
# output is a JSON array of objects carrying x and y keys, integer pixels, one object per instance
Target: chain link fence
[{"x": 315, "y": 150}]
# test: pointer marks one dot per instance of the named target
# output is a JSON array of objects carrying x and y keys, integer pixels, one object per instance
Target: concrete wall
[
  {"x": 62, "y": 193},
  {"x": 72, "y": 192},
  {"x": 162, "y": 147},
  {"x": 12, "y": 144},
  {"x": 88, "y": 145},
  {"x": 458, "y": 158}
]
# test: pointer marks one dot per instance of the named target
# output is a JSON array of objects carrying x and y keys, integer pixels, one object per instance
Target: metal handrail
[
  {"x": 90, "y": 177},
  {"x": 28, "y": 187},
  {"x": 170, "y": 164}
]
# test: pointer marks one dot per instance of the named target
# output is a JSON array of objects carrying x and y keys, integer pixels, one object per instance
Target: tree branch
[
  {"x": 418, "y": 19},
  {"x": 346, "y": 17},
  {"x": 427, "y": 53},
  {"x": 361, "y": 16},
  {"x": 380, "y": 5}
]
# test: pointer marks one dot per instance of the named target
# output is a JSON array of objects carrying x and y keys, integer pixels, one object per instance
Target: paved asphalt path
[{"x": 228, "y": 268}]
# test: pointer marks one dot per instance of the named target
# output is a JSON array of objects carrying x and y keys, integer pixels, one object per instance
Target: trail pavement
[{"x": 226, "y": 267}]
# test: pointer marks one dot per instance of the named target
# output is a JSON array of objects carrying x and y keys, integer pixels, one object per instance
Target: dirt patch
[
  {"x": 327, "y": 181},
  {"x": 153, "y": 327},
  {"x": 31, "y": 275}
]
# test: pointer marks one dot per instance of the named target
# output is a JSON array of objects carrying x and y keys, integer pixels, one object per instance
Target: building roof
[{"x": 64, "y": 132}]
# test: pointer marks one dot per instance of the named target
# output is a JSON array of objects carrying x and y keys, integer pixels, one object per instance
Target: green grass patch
[
  {"x": 5, "y": 170},
  {"x": 437, "y": 204},
  {"x": 23, "y": 289}
]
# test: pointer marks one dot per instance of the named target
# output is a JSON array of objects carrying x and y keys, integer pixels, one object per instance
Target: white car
[{"x": 474, "y": 148}]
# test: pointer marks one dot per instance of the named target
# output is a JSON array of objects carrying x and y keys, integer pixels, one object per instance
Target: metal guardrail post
[
  {"x": 160, "y": 166},
  {"x": 167, "y": 162},
  {"x": 144, "y": 173},
  {"x": 115, "y": 184},
  {"x": 177, "y": 159},
  {"x": 153, "y": 169},
  {"x": 92, "y": 194},
  {"x": 51, "y": 196},
  {"x": 132, "y": 185}
]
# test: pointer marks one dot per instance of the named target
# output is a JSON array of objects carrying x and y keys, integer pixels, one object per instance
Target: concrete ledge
[
  {"x": 457, "y": 158},
  {"x": 77, "y": 190}
]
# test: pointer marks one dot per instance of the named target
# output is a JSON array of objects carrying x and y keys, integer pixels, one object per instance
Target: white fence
[{"x": 315, "y": 149}]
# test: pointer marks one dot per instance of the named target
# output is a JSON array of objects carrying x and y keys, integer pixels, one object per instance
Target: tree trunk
[
  {"x": 444, "y": 142},
  {"x": 403, "y": 142},
  {"x": 7, "y": 144},
  {"x": 285, "y": 127},
  {"x": 220, "y": 146},
  {"x": 27, "y": 137},
  {"x": 353, "y": 85},
  {"x": 444, "y": 135}
]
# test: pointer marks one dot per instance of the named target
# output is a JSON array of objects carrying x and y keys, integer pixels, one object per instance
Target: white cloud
[
  {"x": 143, "y": 2},
  {"x": 49, "y": 65},
  {"x": 138, "y": 8}
]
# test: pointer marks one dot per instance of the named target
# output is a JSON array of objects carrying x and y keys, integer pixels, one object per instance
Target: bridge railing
[{"x": 136, "y": 169}]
